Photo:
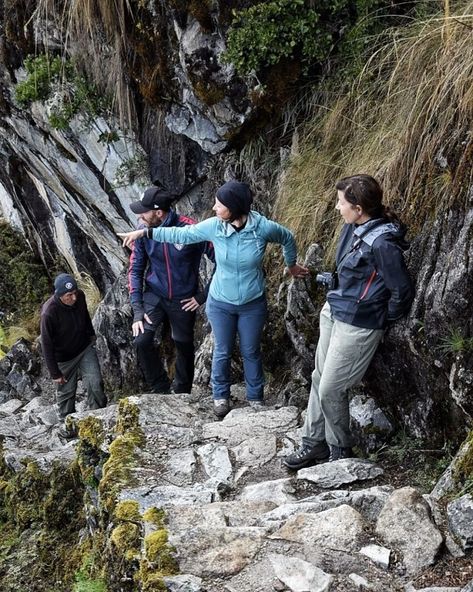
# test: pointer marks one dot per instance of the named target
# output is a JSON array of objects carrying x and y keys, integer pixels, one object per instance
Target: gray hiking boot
[
  {"x": 221, "y": 407},
  {"x": 338, "y": 452},
  {"x": 307, "y": 456},
  {"x": 256, "y": 404}
]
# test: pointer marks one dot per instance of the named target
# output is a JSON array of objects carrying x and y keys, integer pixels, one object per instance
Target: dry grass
[
  {"x": 91, "y": 291},
  {"x": 94, "y": 32},
  {"x": 405, "y": 120}
]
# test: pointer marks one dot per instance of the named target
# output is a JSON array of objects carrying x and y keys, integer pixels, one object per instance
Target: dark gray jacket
[{"x": 374, "y": 287}]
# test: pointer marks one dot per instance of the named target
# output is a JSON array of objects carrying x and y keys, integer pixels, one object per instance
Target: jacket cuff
[
  {"x": 201, "y": 297},
  {"x": 138, "y": 311}
]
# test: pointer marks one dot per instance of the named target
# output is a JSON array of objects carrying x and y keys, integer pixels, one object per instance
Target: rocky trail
[{"x": 238, "y": 521}]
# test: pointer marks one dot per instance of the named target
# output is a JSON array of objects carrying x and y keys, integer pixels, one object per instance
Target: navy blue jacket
[
  {"x": 168, "y": 270},
  {"x": 374, "y": 286}
]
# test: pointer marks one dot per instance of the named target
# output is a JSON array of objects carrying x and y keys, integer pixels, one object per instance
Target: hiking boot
[
  {"x": 307, "y": 456},
  {"x": 221, "y": 407},
  {"x": 256, "y": 403},
  {"x": 338, "y": 452}
]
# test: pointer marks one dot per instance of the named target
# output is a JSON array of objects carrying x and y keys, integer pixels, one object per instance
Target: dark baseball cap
[{"x": 154, "y": 198}]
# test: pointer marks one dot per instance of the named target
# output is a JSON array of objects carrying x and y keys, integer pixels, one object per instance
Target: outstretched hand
[
  {"x": 298, "y": 271},
  {"x": 129, "y": 238}
]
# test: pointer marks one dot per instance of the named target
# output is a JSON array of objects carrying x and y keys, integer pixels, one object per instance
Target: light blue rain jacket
[{"x": 238, "y": 277}]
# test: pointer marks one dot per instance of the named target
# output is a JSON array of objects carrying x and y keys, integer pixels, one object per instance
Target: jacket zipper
[
  {"x": 168, "y": 269},
  {"x": 367, "y": 287}
]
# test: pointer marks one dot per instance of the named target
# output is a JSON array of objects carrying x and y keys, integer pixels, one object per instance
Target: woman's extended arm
[
  {"x": 183, "y": 235},
  {"x": 276, "y": 233}
]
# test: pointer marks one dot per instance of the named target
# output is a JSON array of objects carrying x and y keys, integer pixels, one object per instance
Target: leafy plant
[
  {"x": 132, "y": 170},
  {"x": 22, "y": 277},
  {"x": 56, "y": 79},
  {"x": 264, "y": 34},
  {"x": 84, "y": 582},
  {"x": 43, "y": 71}
]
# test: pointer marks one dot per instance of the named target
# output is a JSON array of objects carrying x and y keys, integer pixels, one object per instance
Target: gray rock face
[
  {"x": 338, "y": 529},
  {"x": 302, "y": 312},
  {"x": 334, "y": 474},
  {"x": 447, "y": 484},
  {"x": 299, "y": 575},
  {"x": 243, "y": 424},
  {"x": 460, "y": 520},
  {"x": 183, "y": 583},
  {"x": 369, "y": 422},
  {"x": 405, "y": 523},
  {"x": 442, "y": 263},
  {"x": 232, "y": 528},
  {"x": 280, "y": 491},
  {"x": 57, "y": 190},
  {"x": 368, "y": 502},
  {"x": 218, "y": 110},
  {"x": 112, "y": 323},
  {"x": 217, "y": 552}
]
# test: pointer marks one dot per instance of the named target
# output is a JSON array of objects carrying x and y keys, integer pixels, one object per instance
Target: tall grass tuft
[
  {"x": 406, "y": 119},
  {"x": 92, "y": 294},
  {"x": 92, "y": 29}
]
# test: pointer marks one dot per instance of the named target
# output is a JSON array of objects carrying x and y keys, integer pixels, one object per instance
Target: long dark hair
[{"x": 366, "y": 192}]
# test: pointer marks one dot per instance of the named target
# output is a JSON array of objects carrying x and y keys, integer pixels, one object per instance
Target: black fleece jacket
[{"x": 65, "y": 331}]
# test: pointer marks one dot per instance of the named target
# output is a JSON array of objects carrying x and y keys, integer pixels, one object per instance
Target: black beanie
[
  {"x": 64, "y": 283},
  {"x": 237, "y": 197}
]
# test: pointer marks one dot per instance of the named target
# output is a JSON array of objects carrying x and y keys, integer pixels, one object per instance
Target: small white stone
[{"x": 379, "y": 555}]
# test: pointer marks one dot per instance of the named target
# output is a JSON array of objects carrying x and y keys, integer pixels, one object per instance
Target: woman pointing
[{"x": 236, "y": 304}]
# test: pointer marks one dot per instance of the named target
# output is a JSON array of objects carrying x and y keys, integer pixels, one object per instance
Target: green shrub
[
  {"x": 22, "y": 276},
  {"x": 42, "y": 71},
  {"x": 74, "y": 93},
  {"x": 264, "y": 34}
]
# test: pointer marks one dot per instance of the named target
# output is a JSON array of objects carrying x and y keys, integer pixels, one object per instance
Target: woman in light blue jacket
[{"x": 237, "y": 301}]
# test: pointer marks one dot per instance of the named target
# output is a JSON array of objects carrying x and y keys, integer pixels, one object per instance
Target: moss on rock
[
  {"x": 126, "y": 538},
  {"x": 89, "y": 452},
  {"x": 160, "y": 553},
  {"x": 155, "y": 516},
  {"x": 462, "y": 472},
  {"x": 117, "y": 469},
  {"x": 128, "y": 511}
]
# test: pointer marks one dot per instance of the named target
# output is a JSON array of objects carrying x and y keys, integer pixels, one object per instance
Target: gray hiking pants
[
  {"x": 86, "y": 366},
  {"x": 343, "y": 355}
]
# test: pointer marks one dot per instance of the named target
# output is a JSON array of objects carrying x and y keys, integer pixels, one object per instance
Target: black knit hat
[
  {"x": 154, "y": 198},
  {"x": 236, "y": 196},
  {"x": 64, "y": 283}
]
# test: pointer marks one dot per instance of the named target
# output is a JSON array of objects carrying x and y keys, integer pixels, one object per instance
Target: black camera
[{"x": 327, "y": 279}]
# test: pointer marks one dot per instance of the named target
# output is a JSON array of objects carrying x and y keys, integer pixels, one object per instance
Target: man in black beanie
[{"x": 67, "y": 338}]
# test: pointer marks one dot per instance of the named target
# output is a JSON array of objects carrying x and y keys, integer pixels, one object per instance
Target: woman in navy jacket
[{"x": 371, "y": 288}]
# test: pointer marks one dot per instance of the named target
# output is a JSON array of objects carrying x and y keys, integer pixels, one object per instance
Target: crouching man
[{"x": 67, "y": 339}]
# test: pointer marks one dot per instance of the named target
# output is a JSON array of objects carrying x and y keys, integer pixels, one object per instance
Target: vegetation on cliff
[
  {"x": 24, "y": 285},
  {"x": 395, "y": 121}
]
